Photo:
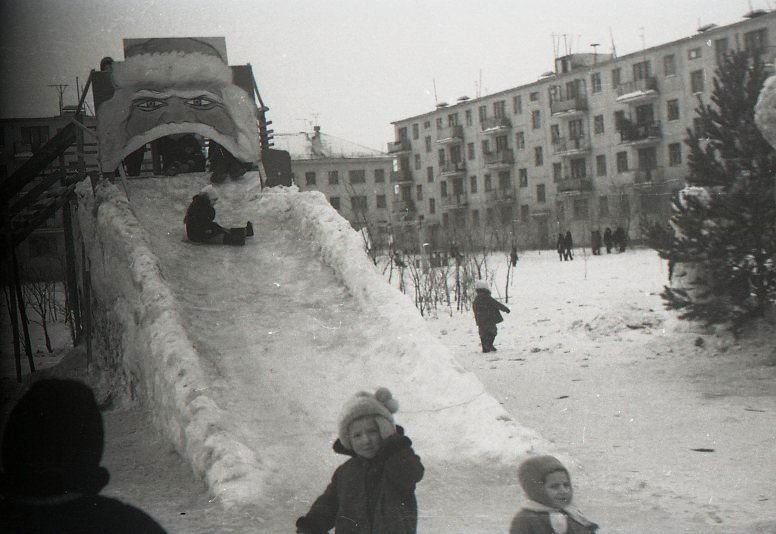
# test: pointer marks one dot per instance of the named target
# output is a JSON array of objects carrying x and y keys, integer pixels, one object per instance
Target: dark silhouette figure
[
  {"x": 568, "y": 246},
  {"x": 51, "y": 479},
  {"x": 620, "y": 239},
  {"x": 487, "y": 314},
  {"x": 561, "y": 246},
  {"x": 595, "y": 242},
  {"x": 201, "y": 226},
  {"x": 608, "y": 240},
  {"x": 223, "y": 164},
  {"x": 513, "y": 256}
]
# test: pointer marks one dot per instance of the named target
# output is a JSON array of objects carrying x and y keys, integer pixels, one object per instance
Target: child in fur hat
[
  {"x": 201, "y": 226},
  {"x": 374, "y": 491},
  {"x": 548, "y": 508},
  {"x": 487, "y": 314}
]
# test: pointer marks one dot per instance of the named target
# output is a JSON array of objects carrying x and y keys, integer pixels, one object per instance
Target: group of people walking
[{"x": 616, "y": 240}]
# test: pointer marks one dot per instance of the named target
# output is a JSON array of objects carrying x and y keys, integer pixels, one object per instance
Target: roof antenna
[
  {"x": 611, "y": 36},
  {"x": 436, "y": 101}
]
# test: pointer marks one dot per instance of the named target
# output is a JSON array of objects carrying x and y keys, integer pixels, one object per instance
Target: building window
[
  {"x": 335, "y": 202},
  {"x": 468, "y": 115},
  {"x": 541, "y": 193},
  {"x": 470, "y": 151},
  {"x": 523, "y": 177},
  {"x": 439, "y": 124},
  {"x": 473, "y": 184},
  {"x": 616, "y": 77},
  {"x": 419, "y": 191},
  {"x": 415, "y": 131},
  {"x": 595, "y": 82},
  {"x": 358, "y": 204},
  {"x": 429, "y": 174},
  {"x": 600, "y": 165},
  {"x": 580, "y": 207},
  {"x": 357, "y": 176},
  {"x": 642, "y": 70},
  {"x": 486, "y": 146},
  {"x": 603, "y": 206},
  {"x": 720, "y": 50},
  {"x": 538, "y": 156},
  {"x": 475, "y": 217},
  {"x": 525, "y": 212},
  {"x": 452, "y": 119},
  {"x": 443, "y": 188},
  {"x": 379, "y": 176},
  {"x": 520, "y": 140},
  {"x": 416, "y": 158},
  {"x": 517, "y": 104},
  {"x": 536, "y": 119},
  {"x": 756, "y": 42},
  {"x": 672, "y": 110},
  {"x": 622, "y": 161},
  {"x": 504, "y": 180},
  {"x": 432, "y": 206},
  {"x": 669, "y": 65},
  {"x": 483, "y": 112},
  {"x": 499, "y": 108},
  {"x": 426, "y": 125},
  {"x": 441, "y": 156},
  {"x": 619, "y": 118},
  {"x": 625, "y": 206},
  {"x": 428, "y": 143},
  {"x": 534, "y": 96},
  {"x": 380, "y": 201},
  {"x": 675, "y": 154},
  {"x": 557, "y": 172},
  {"x": 696, "y": 81},
  {"x": 488, "y": 183},
  {"x": 309, "y": 178},
  {"x": 598, "y": 124},
  {"x": 333, "y": 177},
  {"x": 35, "y": 136},
  {"x": 694, "y": 53}
]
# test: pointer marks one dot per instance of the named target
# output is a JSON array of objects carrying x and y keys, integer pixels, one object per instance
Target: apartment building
[
  {"x": 356, "y": 180},
  {"x": 598, "y": 142}
]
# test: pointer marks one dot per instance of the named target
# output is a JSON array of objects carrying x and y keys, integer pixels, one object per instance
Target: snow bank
[
  {"x": 138, "y": 334},
  {"x": 447, "y": 407}
]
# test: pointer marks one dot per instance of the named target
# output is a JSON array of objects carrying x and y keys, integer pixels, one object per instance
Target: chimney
[{"x": 315, "y": 142}]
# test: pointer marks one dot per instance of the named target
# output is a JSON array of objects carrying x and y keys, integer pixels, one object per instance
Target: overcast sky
[{"x": 351, "y": 66}]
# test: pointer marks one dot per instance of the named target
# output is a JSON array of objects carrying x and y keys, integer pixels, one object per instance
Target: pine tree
[{"x": 724, "y": 223}]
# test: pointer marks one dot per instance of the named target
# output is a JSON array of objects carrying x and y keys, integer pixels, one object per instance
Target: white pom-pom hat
[
  {"x": 481, "y": 284},
  {"x": 381, "y": 406}
]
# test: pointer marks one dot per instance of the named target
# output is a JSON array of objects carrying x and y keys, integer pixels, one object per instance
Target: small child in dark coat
[
  {"x": 548, "y": 508},
  {"x": 374, "y": 491},
  {"x": 201, "y": 226},
  {"x": 487, "y": 314}
]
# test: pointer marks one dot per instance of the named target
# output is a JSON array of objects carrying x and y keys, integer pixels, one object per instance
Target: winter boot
[
  {"x": 235, "y": 236},
  {"x": 249, "y": 229}
]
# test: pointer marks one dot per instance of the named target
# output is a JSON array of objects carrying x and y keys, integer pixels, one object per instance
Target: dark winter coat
[
  {"x": 531, "y": 522},
  {"x": 374, "y": 496},
  {"x": 487, "y": 310},
  {"x": 199, "y": 220}
]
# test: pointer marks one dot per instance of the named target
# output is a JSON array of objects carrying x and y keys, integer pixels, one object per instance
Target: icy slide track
[{"x": 245, "y": 355}]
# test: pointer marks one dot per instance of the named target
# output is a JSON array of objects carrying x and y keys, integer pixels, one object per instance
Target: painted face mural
[{"x": 170, "y": 86}]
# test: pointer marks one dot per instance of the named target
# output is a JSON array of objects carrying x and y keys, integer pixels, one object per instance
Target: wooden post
[
  {"x": 22, "y": 310},
  {"x": 71, "y": 282},
  {"x": 87, "y": 306}
]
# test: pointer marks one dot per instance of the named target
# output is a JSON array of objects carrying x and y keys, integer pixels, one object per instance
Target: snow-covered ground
[{"x": 588, "y": 359}]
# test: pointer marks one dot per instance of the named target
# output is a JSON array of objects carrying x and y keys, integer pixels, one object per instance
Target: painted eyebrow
[{"x": 182, "y": 93}]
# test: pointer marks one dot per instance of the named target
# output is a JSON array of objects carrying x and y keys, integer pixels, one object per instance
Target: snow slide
[{"x": 246, "y": 354}]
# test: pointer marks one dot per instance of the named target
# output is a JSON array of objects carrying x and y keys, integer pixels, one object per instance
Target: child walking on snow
[
  {"x": 548, "y": 508},
  {"x": 373, "y": 491},
  {"x": 487, "y": 314}
]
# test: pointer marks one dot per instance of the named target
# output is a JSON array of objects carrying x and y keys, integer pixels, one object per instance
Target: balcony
[
  {"x": 649, "y": 177},
  {"x": 647, "y": 132},
  {"x": 495, "y": 125},
  {"x": 455, "y": 201},
  {"x": 451, "y": 168},
  {"x": 397, "y": 147},
  {"x": 401, "y": 176},
  {"x": 575, "y": 186},
  {"x": 571, "y": 146},
  {"x": 569, "y": 106},
  {"x": 450, "y": 134},
  {"x": 406, "y": 207},
  {"x": 500, "y": 195},
  {"x": 501, "y": 158},
  {"x": 637, "y": 90}
]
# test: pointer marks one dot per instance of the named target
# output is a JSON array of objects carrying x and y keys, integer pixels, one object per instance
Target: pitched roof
[{"x": 318, "y": 145}]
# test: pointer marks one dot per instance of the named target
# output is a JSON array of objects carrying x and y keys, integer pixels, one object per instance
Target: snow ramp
[{"x": 245, "y": 355}]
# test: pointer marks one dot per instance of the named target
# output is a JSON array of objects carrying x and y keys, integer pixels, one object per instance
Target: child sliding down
[{"x": 374, "y": 491}]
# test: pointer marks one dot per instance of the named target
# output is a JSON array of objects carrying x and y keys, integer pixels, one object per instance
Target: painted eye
[
  {"x": 149, "y": 104},
  {"x": 201, "y": 102}
]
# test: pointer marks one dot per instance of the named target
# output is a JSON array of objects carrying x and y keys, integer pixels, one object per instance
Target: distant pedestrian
[
  {"x": 620, "y": 239},
  {"x": 201, "y": 226},
  {"x": 561, "y": 246},
  {"x": 568, "y": 246},
  {"x": 513, "y": 256},
  {"x": 397, "y": 259},
  {"x": 548, "y": 508},
  {"x": 595, "y": 242},
  {"x": 487, "y": 314},
  {"x": 373, "y": 491},
  {"x": 608, "y": 240}
]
